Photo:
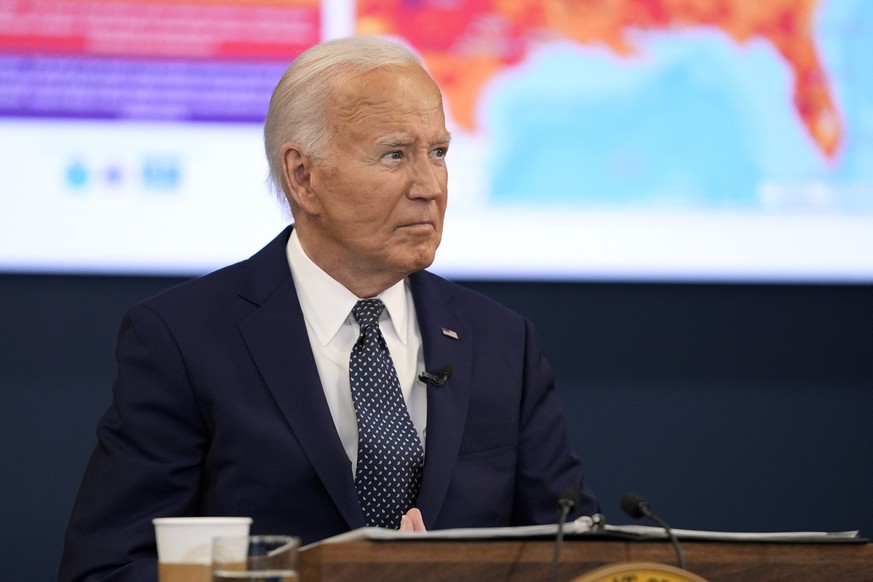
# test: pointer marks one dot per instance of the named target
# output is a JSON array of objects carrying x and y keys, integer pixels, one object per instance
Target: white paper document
[{"x": 581, "y": 527}]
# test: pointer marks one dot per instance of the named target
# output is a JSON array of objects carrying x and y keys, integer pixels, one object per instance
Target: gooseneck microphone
[
  {"x": 636, "y": 507},
  {"x": 438, "y": 378},
  {"x": 568, "y": 501}
]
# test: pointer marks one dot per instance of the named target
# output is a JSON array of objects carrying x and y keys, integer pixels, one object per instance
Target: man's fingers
[{"x": 412, "y": 521}]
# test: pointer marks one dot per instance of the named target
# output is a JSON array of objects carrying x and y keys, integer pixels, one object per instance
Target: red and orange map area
[{"x": 466, "y": 43}]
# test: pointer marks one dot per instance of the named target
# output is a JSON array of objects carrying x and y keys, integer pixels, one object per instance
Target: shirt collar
[{"x": 327, "y": 304}]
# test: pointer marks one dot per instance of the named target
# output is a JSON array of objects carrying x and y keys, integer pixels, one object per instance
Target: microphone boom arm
[
  {"x": 679, "y": 557},
  {"x": 636, "y": 507}
]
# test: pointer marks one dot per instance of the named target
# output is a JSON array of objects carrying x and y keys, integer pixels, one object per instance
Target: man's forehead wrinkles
[
  {"x": 362, "y": 111},
  {"x": 352, "y": 104}
]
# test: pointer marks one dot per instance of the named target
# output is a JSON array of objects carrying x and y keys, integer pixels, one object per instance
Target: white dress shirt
[{"x": 327, "y": 307}]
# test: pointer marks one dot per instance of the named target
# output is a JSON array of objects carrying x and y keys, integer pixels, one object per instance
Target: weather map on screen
[{"x": 592, "y": 139}]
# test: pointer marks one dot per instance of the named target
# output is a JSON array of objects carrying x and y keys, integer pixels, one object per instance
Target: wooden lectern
[{"x": 523, "y": 560}]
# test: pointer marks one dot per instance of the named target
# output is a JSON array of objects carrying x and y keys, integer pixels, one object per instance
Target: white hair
[{"x": 300, "y": 103}]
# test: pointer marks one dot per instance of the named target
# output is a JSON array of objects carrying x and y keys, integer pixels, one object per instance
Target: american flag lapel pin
[{"x": 450, "y": 333}]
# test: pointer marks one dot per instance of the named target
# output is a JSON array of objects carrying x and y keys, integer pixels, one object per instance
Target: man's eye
[
  {"x": 395, "y": 155},
  {"x": 440, "y": 152}
]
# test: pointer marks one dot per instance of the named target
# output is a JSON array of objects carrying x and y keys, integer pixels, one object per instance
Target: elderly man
[{"x": 329, "y": 382}]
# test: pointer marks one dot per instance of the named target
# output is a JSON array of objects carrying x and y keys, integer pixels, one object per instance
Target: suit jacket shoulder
[{"x": 253, "y": 280}]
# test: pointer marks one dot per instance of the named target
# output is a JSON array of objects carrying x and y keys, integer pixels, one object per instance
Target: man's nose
[{"x": 427, "y": 179}]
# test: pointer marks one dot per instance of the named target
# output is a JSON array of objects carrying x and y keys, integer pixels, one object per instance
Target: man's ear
[{"x": 297, "y": 174}]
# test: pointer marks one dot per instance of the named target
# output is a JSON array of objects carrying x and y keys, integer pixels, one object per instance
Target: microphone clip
[
  {"x": 594, "y": 523},
  {"x": 437, "y": 379}
]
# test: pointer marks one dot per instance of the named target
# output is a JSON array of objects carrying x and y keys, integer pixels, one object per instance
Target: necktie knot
[{"x": 367, "y": 312}]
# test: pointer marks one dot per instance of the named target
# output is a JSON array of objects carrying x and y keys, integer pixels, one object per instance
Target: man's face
[{"x": 380, "y": 190}]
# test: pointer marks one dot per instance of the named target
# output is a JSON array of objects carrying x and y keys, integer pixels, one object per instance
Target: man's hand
[{"x": 412, "y": 521}]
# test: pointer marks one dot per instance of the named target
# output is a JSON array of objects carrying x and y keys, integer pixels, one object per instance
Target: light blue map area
[{"x": 693, "y": 121}]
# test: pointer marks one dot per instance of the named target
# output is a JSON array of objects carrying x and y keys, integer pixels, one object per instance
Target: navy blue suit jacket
[{"x": 218, "y": 410}]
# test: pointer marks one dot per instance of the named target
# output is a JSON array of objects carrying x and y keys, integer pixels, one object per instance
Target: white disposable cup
[{"x": 188, "y": 540}]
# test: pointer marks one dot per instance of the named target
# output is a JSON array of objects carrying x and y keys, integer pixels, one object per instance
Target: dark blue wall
[{"x": 731, "y": 407}]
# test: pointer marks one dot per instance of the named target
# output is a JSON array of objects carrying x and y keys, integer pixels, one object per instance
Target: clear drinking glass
[{"x": 262, "y": 558}]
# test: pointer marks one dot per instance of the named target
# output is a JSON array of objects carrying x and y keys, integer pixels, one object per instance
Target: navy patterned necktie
[{"x": 390, "y": 454}]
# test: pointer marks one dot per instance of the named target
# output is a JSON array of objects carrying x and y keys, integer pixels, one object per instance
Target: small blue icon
[
  {"x": 113, "y": 175},
  {"x": 161, "y": 173},
  {"x": 77, "y": 175}
]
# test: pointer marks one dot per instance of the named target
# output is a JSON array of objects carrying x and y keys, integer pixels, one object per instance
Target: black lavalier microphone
[
  {"x": 637, "y": 507},
  {"x": 437, "y": 379}
]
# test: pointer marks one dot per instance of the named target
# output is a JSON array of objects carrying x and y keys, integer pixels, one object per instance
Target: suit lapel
[
  {"x": 276, "y": 336},
  {"x": 447, "y": 340}
]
